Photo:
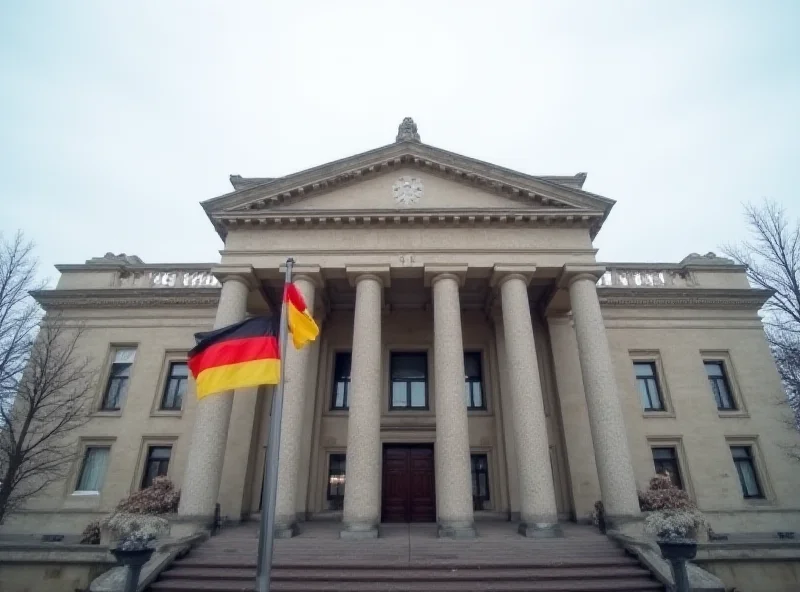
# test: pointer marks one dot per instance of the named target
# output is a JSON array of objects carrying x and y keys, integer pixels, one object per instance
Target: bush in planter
[
  {"x": 663, "y": 495},
  {"x": 135, "y": 531},
  {"x": 676, "y": 525},
  {"x": 160, "y": 498},
  {"x": 91, "y": 534},
  {"x": 674, "y": 515}
]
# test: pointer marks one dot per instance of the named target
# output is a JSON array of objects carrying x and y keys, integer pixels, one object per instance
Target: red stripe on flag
[
  {"x": 293, "y": 296},
  {"x": 234, "y": 351}
]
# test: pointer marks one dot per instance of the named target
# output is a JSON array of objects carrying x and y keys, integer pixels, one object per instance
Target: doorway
[{"x": 409, "y": 493}]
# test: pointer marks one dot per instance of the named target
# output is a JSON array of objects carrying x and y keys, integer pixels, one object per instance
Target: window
[
  {"x": 177, "y": 379},
  {"x": 409, "y": 376},
  {"x": 473, "y": 380},
  {"x": 480, "y": 480},
  {"x": 647, "y": 383},
  {"x": 93, "y": 470},
  {"x": 156, "y": 465},
  {"x": 715, "y": 370},
  {"x": 665, "y": 459},
  {"x": 336, "y": 478},
  {"x": 746, "y": 467},
  {"x": 118, "y": 378},
  {"x": 340, "y": 398}
]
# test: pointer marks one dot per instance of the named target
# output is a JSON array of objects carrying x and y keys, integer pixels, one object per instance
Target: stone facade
[{"x": 461, "y": 256}]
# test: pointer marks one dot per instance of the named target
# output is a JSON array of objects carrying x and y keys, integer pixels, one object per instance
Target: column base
[
  {"x": 357, "y": 532},
  {"x": 457, "y": 530},
  {"x": 629, "y": 525},
  {"x": 286, "y": 531},
  {"x": 540, "y": 531},
  {"x": 183, "y": 525}
]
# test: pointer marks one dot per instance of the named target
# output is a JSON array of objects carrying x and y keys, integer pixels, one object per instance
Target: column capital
[
  {"x": 571, "y": 273},
  {"x": 240, "y": 273},
  {"x": 379, "y": 272},
  {"x": 307, "y": 271},
  {"x": 501, "y": 273},
  {"x": 457, "y": 270}
]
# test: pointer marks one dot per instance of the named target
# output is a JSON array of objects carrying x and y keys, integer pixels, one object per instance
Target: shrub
[
  {"x": 160, "y": 498},
  {"x": 91, "y": 534},
  {"x": 599, "y": 516},
  {"x": 675, "y": 524},
  {"x": 674, "y": 514},
  {"x": 663, "y": 495},
  {"x": 136, "y": 530}
]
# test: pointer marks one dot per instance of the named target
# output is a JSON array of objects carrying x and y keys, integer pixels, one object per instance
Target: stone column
[
  {"x": 201, "y": 480},
  {"x": 614, "y": 467},
  {"x": 507, "y": 416},
  {"x": 538, "y": 513},
  {"x": 574, "y": 417},
  {"x": 296, "y": 365},
  {"x": 362, "y": 495},
  {"x": 453, "y": 472}
]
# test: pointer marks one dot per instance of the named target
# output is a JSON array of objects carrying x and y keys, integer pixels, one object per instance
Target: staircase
[{"x": 412, "y": 561}]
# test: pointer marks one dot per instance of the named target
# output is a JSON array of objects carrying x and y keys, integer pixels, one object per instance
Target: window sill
[
  {"x": 757, "y": 502},
  {"x": 337, "y": 412},
  {"x": 85, "y": 493},
  {"x": 659, "y": 414},
  {"x": 101, "y": 413},
  {"x": 733, "y": 413},
  {"x": 485, "y": 412},
  {"x": 166, "y": 413}
]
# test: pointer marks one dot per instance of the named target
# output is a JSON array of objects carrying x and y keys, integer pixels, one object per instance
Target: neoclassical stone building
[{"x": 475, "y": 361}]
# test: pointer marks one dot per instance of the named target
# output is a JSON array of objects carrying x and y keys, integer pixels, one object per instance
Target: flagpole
[{"x": 269, "y": 488}]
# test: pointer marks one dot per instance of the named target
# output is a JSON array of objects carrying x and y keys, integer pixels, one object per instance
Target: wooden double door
[{"x": 409, "y": 493}]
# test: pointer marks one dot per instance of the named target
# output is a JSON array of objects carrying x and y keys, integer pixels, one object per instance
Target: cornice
[
  {"x": 318, "y": 219},
  {"x": 691, "y": 298},
  {"x": 144, "y": 267},
  {"x": 126, "y": 298}
]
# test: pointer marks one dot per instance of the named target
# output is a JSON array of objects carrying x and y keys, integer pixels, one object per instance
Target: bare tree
[
  {"x": 43, "y": 383},
  {"x": 772, "y": 256}
]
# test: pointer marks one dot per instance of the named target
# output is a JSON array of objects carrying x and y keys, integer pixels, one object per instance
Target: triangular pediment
[{"x": 446, "y": 182}]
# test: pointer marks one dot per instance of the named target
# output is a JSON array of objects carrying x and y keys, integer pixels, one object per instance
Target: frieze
[
  {"x": 122, "y": 298},
  {"x": 666, "y": 298}
]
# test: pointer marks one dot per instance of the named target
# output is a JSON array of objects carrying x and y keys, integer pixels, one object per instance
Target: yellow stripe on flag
[
  {"x": 301, "y": 325},
  {"x": 240, "y": 375}
]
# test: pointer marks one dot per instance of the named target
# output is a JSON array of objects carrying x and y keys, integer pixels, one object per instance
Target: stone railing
[
  {"x": 636, "y": 277},
  {"x": 164, "y": 278}
]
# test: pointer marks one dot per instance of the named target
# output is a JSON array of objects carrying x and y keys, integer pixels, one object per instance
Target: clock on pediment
[{"x": 407, "y": 190}]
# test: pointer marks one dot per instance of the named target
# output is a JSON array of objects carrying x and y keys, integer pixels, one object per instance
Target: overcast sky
[{"x": 118, "y": 118}]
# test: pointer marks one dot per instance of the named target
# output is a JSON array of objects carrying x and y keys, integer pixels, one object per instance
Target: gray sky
[{"x": 119, "y": 117}]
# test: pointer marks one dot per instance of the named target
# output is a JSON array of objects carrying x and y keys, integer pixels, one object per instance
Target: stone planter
[
  {"x": 133, "y": 560},
  {"x": 677, "y": 549},
  {"x": 678, "y": 552}
]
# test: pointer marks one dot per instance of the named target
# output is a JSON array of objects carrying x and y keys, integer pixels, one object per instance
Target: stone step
[
  {"x": 612, "y": 585},
  {"x": 410, "y": 574},
  {"x": 225, "y": 562}
]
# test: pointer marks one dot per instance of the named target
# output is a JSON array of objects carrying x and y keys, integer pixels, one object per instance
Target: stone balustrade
[
  {"x": 646, "y": 277},
  {"x": 166, "y": 278}
]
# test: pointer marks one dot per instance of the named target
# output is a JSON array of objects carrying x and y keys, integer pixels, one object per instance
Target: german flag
[
  {"x": 237, "y": 356},
  {"x": 301, "y": 324}
]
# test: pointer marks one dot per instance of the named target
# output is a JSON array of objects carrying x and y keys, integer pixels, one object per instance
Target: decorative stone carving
[
  {"x": 123, "y": 298},
  {"x": 407, "y": 131},
  {"x": 407, "y": 190},
  {"x": 709, "y": 258},
  {"x": 112, "y": 258}
]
